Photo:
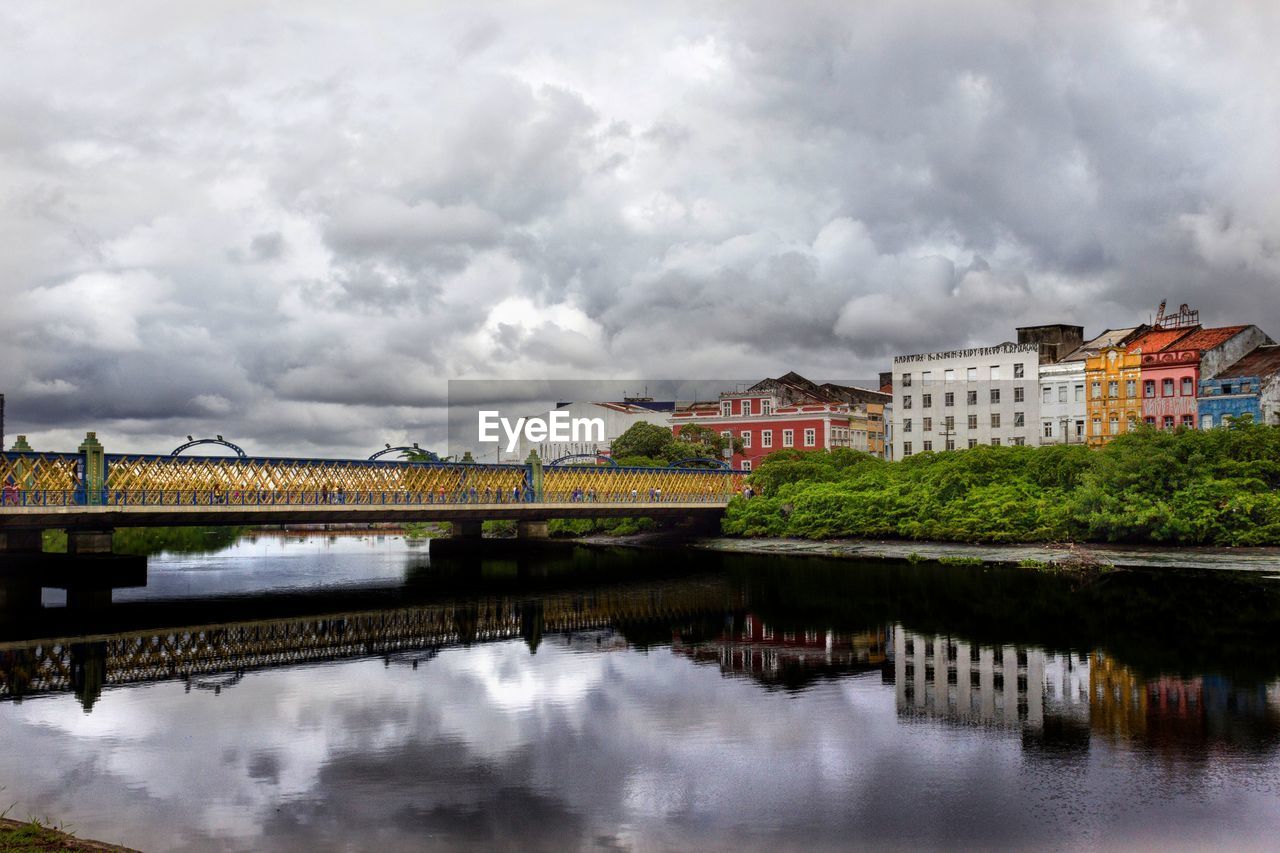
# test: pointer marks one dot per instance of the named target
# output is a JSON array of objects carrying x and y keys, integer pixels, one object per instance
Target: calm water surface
[{"x": 352, "y": 693}]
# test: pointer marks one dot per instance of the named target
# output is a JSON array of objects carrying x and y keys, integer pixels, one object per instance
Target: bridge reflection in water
[{"x": 87, "y": 664}]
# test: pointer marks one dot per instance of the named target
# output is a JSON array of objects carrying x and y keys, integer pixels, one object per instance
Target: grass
[
  {"x": 961, "y": 561},
  {"x": 38, "y": 836}
]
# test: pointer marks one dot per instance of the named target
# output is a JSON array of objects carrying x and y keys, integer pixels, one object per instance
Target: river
[{"x": 351, "y": 693}]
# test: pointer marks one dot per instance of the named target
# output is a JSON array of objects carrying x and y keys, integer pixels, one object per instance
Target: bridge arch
[
  {"x": 195, "y": 442},
  {"x": 431, "y": 455}
]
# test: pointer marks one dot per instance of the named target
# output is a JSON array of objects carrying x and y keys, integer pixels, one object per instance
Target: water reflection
[{"x": 652, "y": 700}]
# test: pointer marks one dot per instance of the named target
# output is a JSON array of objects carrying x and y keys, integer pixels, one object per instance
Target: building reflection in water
[
  {"x": 791, "y": 658},
  {"x": 1086, "y": 695}
]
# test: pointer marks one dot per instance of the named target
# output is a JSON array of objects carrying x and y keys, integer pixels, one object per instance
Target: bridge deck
[{"x": 102, "y": 517}]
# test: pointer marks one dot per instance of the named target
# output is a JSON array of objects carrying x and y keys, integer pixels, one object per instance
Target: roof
[
  {"x": 1263, "y": 361},
  {"x": 1109, "y": 338},
  {"x": 794, "y": 388},
  {"x": 1158, "y": 339},
  {"x": 1203, "y": 339}
]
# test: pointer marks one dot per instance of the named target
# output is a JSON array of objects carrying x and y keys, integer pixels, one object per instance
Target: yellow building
[
  {"x": 1114, "y": 402},
  {"x": 875, "y": 429}
]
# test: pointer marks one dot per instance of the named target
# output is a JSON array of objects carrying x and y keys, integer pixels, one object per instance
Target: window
[
  {"x": 995, "y": 442},
  {"x": 726, "y": 409},
  {"x": 746, "y": 438},
  {"x": 948, "y": 376},
  {"x": 1166, "y": 388},
  {"x": 766, "y": 407},
  {"x": 1079, "y": 393},
  {"x": 1115, "y": 424},
  {"x": 951, "y": 444},
  {"x": 726, "y": 434},
  {"x": 973, "y": 442},
  {"x": 746, "y": 465},
  {"x": 906, "y": 402},
  {"x": 906, "y": 448},
  {"x": 1168, "y": 420},
  {"x": 1048, "y": 429},
  {"x": 1079, "y": 429},
  {"x": 1131, "y": 388},
  {"x": 971, "y": 374},
  {"x": 972, "y": 398},
  {"x": 1149, "y": 421},
  {"x": 906, "y": 424},
  {"x": 926, "y": 377},
  {"x": 1019, "y": 419},
  {"x": 1188, "y": 386},
  {"x": 1097, "y": 426},
  {"x": 926, "y": 401},
  {"x": 1018, "y": 371},
  {"x": 928, "y": 445},
  {"x": 788, "y": 437},
  {"x": 995, "y": 371},
  {"x": 1246, "y": 387},
  {"x": 995, "y": 395},
  {"x": 927, "y": 426},
  {"x": 1019, "y": 441},
  {"x": 1095, "y": 389},
  {"x": 948, "y": 399},
  {"x": 1019, "y": 394},
  {"x": 1206, "y": 422},
  {"x": 1149, "y": 388},
  {"x": 746, "y": 408},
  {"x": 995, "y": 420},
  {"x": 766, "y": 438},
  {"x": 950, "y": 423},
  {"x": 973, "y": 421},
  {"x": 1062, "y": 394},
  {"x": 1113, "y": 389},
  {"x": 810, "y": 437},
  {"x": 1048, "y": 394},
  {"x": 1189, "y": 421},
  {"x": 906, "y": 380},
  {"x": 1226, "y": 389}
]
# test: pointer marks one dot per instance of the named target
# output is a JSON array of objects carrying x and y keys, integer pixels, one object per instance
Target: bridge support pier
[
  {"x": 467, "y": 529},
  {"x": 21, "y": 542},
  {"x": 532, "y": 530},
  {"x": 89, "y": 541}
]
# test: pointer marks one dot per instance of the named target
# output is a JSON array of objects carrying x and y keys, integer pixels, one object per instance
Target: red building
[
  {"x": 792, "y": 412},
  {"x": 1173, "y": 366}
]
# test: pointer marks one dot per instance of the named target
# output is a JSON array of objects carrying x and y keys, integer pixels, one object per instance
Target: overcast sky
[{"x": 291, "y": 224}]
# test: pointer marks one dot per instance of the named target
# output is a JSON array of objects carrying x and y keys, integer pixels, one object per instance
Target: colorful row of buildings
[
  {"x": 1054, "y": 386},
  {"x": 1050, "y": 386}
]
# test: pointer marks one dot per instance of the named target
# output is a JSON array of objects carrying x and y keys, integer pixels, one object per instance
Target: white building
[
  {"x": 963, "y": 398},
  {"x": 618, "y": 418},
  {"x": 964, "y": 682},
  {"x": 1062, "y": 389}
]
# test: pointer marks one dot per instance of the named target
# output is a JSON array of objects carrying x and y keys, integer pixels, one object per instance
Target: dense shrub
[{"x": 1216, "y": 487}]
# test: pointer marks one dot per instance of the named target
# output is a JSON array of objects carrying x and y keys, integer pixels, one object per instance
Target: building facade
[
  {"x": 791, "y": 412},
  {"x": 963, "y": 398},
  {"x": 1113, "y": 406},
  {"x": 1246, "y": 390},
  {"x": 1064, "y": 411}
]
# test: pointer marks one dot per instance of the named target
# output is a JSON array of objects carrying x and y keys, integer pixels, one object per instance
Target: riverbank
[
  {"x": 16, "y": 835},
  {"x": 1226, "y": 559}
]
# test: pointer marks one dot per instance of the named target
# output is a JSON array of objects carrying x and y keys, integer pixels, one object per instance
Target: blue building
[{"x": 1250, "y": 388}]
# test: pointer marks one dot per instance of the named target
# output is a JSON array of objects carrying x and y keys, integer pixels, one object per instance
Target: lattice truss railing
[
  {"x": 600, "y": 483},
  {"x": 134, "y": 658},
  {"x": 165, "y": 480},
  {"x": 41, "y": 479}
]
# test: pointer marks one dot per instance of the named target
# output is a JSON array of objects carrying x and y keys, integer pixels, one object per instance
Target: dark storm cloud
[{"x": 294, "y": 225}]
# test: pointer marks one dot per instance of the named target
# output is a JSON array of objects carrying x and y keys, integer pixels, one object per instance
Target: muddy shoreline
[{"x": 1136, "y": 556}]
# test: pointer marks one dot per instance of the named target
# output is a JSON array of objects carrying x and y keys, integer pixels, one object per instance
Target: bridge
[{"x": 90, "y": 492}]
